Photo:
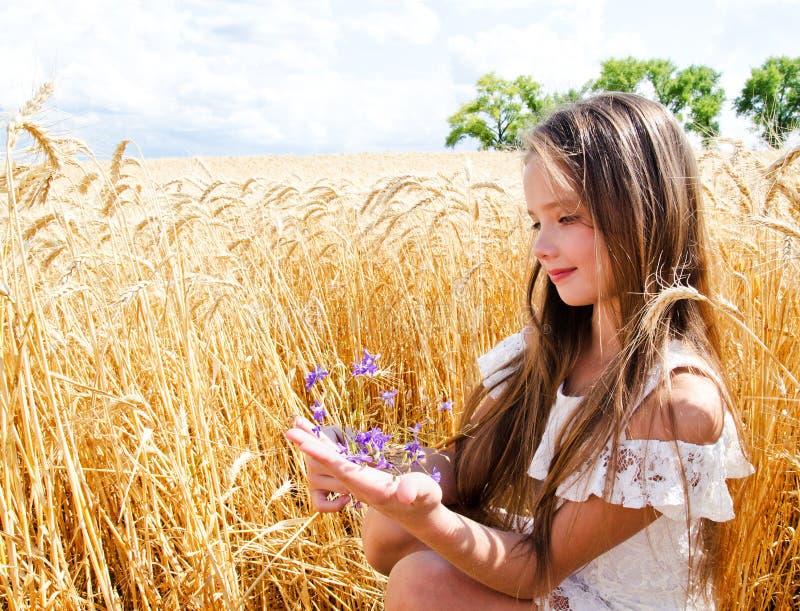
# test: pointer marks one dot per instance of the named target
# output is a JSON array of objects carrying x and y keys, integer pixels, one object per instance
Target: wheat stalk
[{"x": 155, "y": 359}]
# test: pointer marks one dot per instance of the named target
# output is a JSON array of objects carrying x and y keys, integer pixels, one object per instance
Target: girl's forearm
[
  {"x": 385, "y": 542},
  {"x": 492, "y": 557}
]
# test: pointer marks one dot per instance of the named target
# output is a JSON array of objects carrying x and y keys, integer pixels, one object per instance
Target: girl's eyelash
[{"x": 566, "y": 219}]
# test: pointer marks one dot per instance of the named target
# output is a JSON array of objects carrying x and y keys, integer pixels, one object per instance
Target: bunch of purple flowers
[
  {"x": 372, "y": 447},
  {"x": 367, "y": 448}
]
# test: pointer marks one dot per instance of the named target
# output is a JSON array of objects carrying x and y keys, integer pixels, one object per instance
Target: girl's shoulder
[
  {"x": 675, "y": 477},
  {"x": 682, "y": 440},
  {"x": 682, "y": 403},
  {"x": 686, "y": 407}
]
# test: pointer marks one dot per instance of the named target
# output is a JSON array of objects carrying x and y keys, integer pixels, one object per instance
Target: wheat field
[{"x": 158, "y": 319}]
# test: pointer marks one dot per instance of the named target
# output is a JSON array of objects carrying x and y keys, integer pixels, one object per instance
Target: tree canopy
[
  {"x": 692, "y": 94},
  {"x": 502, "y": 110},
  {"x": 771, "y": 98}
]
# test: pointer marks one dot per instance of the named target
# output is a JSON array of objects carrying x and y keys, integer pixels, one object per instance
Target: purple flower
[
  {"x": 374, "y": 439},
  {"x": 319, "y": 412},
  {"x": 316, "y": 375},
  {"x": 383, "y": 463},
  {"x": 362, "y": 458},
  {"x": 414, "y": 430},
  {"x": 446, "y": 406},
  {"x": 369, "y": 449},
  {"x": 388, "y": 396},
  {"x": 436, "y": 476},
  {"x": 366, "y": 448},
  {"x": 319, "y": 417},
  {"x": 413, "y": 452},
  {"x": 379, "y": 438},
  {"x": 367, "y": 365}
]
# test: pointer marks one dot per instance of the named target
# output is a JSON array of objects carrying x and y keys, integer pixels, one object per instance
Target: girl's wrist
[{"x": 435, "y": 526}]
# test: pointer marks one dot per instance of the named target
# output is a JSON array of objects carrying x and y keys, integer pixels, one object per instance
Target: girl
[{"x": 591, "y": 469}]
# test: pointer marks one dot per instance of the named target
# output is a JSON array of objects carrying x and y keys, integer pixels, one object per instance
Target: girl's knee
[
  {"x": 385, "y": 542},
  {"x": 425, "y": 580},
  {"x": 416, "y": 580}
]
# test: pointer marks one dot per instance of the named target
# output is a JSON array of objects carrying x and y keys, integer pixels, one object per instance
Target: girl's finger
[
  {"x": 327, "y": 483},
  {"x": 304, "y": 424},
  {"x": 418, "y": 488},
  {"x": 302, "y": 437},
  {"x": 407, "y": 490},
  {"x": 339, "y": 467},
  {"x": 320, "y": 501},
  {"x": 324, "y": 453},
  {"x": 328, "y": 432}
]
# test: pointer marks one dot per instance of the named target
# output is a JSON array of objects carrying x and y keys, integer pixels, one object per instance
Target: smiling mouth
[{"x": 556, "y": 275}]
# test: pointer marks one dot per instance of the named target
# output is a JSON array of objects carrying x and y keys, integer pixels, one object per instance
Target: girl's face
[{"x": 566, "y": 243}]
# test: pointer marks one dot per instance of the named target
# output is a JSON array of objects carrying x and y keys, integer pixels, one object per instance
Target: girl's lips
[{"x": 556, "y": 275}]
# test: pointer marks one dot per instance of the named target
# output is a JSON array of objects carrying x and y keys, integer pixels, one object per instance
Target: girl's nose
[{"x": 543, "y": 246}]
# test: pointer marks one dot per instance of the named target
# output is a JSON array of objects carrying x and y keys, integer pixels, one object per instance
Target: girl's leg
[
  {"x": 385, "y": 541},
  {"x": 425, "y": 580}
]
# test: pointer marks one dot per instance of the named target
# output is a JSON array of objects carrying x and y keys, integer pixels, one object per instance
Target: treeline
[{"x": 503, "y": 109}]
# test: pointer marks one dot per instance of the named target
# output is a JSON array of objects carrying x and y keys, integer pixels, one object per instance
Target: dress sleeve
[
  {"x": 651, "y": 472},
  {"x": 494, "y": 365}
]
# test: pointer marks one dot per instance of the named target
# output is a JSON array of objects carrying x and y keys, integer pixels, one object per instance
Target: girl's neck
[
  {"x": 604, "y": 343},
  {"x": 602, "y": 347}
]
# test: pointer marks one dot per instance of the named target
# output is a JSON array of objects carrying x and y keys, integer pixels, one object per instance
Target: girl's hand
[
  {"x": 403, "y": 498},
  {"x": 321, "y": 483}
]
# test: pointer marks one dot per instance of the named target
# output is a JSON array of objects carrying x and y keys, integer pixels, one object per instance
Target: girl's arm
[
  {"x": 385, "y": 541},
  {"x": 321, "y": 482},
  {"x": 581, "y": 531}
]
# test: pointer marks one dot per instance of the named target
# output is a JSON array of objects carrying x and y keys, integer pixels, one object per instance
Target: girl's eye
[
  {"x": 535, "y": 226},
  {"x": 566, "y": 220}
]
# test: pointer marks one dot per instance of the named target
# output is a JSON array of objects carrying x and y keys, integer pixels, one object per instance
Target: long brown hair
[{"x": 631, "y": 166}]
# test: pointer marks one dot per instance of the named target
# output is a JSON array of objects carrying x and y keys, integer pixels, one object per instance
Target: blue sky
[{"x": 239, "y": 77}]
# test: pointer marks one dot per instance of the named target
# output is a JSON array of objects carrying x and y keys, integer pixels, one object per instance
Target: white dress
[{"x": 649, "y": 570}]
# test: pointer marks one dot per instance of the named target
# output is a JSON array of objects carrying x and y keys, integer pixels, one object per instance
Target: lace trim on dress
[
  {"x": 572, "y": 597},
  {"x": 494, "y": 364},
  {"x": 651, "y": 472}
]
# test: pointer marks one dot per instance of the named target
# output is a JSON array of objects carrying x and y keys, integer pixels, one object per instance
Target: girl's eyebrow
[
  {"x": 547, "y": 206},
  {"x": 570, "y": 204}
]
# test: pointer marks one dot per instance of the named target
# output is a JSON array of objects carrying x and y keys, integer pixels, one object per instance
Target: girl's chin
[{"x": 576, "y": 301}]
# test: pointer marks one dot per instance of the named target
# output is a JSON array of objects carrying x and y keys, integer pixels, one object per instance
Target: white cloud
[
  {"x": 728, "y": 5},
  {"x": 225, "y": 77},
  {"x": 533, "y": 7},
  {"x": 375, "y": 114},
  {"x": 410, "y": 21},
  {"x": 556, "y": 50},
  {"x": 177, "y": 66}
]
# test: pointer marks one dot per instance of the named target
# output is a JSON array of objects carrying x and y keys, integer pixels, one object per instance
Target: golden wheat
[{"x": 155, "y": 338}]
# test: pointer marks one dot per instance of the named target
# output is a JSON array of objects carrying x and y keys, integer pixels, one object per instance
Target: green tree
[
  {"x": 624, "y": 74},
  {"x": 500, "y": 113},
  {"x": 692, "y": 94},
  {"x": 695, "y": 89},
  {"x": 771, "y": 98}
]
